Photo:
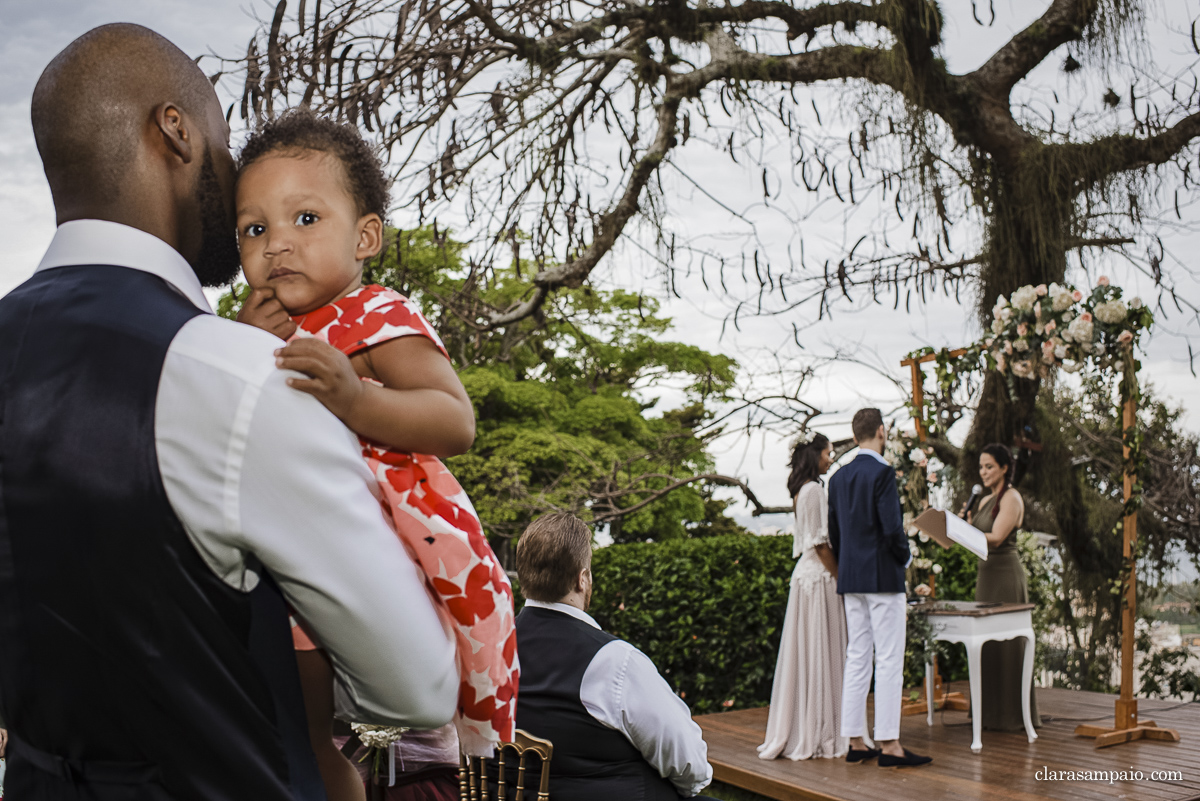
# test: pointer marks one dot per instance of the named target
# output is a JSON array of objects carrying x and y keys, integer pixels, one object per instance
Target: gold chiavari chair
[{"x": 473, "y": 775}]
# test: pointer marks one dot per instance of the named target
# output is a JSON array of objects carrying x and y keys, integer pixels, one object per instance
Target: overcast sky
[{"x": 32, "y": 31}]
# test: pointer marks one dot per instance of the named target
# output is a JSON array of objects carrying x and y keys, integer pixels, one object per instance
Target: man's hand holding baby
[{"x": 331, "y": 378}]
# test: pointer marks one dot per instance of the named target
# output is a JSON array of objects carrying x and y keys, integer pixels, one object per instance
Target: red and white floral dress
[{"x": 435, "y": 520}]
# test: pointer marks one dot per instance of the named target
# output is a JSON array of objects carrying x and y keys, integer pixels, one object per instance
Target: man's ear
[
  {"x": 177, "y": 134},
  {"x": 370, "y": 237}
]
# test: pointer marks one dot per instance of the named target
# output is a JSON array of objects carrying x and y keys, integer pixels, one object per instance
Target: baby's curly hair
[{"x": 301, "y": 129}]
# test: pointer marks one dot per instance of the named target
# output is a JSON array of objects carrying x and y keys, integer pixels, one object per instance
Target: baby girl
[{"x": 311, "y": 198}]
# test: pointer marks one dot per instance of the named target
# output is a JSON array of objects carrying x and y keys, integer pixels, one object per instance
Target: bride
[{"x": 803, "y": 721}]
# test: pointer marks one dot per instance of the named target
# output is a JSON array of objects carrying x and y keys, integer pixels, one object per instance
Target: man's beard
[{"x": 218, "y": 260}]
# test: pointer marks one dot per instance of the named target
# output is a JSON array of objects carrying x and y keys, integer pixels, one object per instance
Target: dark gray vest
[
  {"x": 128, "y": 670},
  {"x": 591, "y": 762}
]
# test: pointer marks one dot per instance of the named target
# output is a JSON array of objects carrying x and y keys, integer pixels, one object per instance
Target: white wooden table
[{"x": 972, "y": 625}]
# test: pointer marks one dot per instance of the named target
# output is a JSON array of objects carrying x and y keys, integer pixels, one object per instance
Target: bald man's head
[
  {"x": 122, "y": 116},
  {"x": 93, "y": 99}
]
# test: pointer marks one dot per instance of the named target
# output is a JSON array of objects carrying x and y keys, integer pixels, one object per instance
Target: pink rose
[
  {"x": 1041, "y": 290},
  {"x": 1022, "y": 329},
  {"x": 1000, "y": 363},
  {"x": 1086, "y": 317},
  {"x": 1050, "y": 326},
  {"x": 1076, "y": 296},
  {"x": 1008, "y": 348},
  {"x": 1048, "y": 346},
  {"x": 1125, "y": 337},
  {"x": 1102, "y": 280},
  {"x": 933, "y": 478}
]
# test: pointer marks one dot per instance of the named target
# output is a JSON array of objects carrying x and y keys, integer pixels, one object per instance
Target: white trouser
[{"x": 875, "y": 621}]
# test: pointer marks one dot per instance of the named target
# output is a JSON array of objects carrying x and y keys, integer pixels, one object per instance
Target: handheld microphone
[{"x": 976, "y": 492}]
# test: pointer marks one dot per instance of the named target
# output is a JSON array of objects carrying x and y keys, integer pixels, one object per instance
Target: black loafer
[
  {"x": 854, "y": 755},
  {"x": 909, "y": 760}
]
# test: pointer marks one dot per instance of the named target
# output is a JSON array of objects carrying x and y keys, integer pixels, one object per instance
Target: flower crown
[{"x": 804, "y": 438}]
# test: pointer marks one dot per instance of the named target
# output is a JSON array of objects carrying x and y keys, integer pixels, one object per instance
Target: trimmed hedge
[{"x": 708, "y": 612}]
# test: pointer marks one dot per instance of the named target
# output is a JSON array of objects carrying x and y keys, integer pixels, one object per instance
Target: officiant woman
[{"x": 1001, "y": 578}]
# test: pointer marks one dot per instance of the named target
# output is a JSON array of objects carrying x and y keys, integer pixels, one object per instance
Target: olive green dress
[{"x": 1002, "y": 578}]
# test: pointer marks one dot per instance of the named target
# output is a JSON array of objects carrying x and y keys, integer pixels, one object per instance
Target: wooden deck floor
[{"x": 1004, "y": 771}]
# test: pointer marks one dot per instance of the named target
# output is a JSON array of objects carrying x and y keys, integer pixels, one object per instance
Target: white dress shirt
[
  {"x": 258, "y": 472},
  {"x": 624, "y": 691}
]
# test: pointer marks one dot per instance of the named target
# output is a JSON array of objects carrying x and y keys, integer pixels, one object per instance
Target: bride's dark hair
[{"x": 806, "y": 463}]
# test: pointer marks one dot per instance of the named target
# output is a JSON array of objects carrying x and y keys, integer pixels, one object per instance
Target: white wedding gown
[{"x": 806, "y": 697}]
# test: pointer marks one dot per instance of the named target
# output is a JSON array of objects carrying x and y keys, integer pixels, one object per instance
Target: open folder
[{"x": 946, "y": 528}]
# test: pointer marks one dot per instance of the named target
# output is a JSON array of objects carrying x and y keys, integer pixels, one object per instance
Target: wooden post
[
  {"x": 1126, "y": 712},
  {"x": 1126, "y": 727},
  {"x": 918, "y": 391},
  {"x": 940, "y": 698}
]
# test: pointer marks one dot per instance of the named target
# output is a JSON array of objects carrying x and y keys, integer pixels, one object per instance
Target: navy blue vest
[
  {"x": 591, "y": 762},
  {"x": 128, "y": 669}
]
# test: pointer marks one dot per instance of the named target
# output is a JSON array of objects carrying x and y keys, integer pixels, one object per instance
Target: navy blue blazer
[{"x": 866, "y": 527}]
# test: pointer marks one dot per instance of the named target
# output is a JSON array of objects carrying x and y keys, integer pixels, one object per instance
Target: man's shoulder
[{"x": 234, "y": 349}]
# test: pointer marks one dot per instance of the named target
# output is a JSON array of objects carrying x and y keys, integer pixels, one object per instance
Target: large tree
[{"x": 548, "y": 124}]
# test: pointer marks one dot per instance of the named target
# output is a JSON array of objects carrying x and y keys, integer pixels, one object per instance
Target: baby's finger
[
  {"x": 308, "y": 346},
  {"x": 311, "y": 386},
  {"x": 310, "y": 366},
  {"x": 259, "y": 297}
]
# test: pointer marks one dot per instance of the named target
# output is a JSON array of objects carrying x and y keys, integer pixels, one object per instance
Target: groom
[
  {"x": 866, "y": 532},
  {"x": 164, "y": 491}
]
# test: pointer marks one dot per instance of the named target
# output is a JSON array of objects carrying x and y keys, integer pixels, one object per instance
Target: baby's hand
[
  {"x": 331, "y": 380},
  {"x": 263, "y": 310}
]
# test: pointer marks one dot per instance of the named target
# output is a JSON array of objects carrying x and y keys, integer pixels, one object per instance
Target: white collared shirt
[
  {"x": 256, "y": 470},
  {"x": 868, "y": 452},
  {"x": 623, "y": 690}
]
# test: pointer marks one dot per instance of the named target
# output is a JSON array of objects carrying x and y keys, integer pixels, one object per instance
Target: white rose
[
  {"x": 937, "y": 569},
  {"x": 1073, "y": 367},
  {"x": 1068, "y": 316},
  {"x": 913, "y": 549},
  {"x": 997, "y": 326},
  {"x": 1111, "y": 312},
  {"x": 1135, "y": 302},
  {"x": 916, "y": 455},
  {"x": 1081, "y": 330},
  {"x": 1060, "y": 352},
  {"x": 1060, "y": 298},
  {"x": 1024, "y": 298},
  {"x": 1021, "y": 345}
]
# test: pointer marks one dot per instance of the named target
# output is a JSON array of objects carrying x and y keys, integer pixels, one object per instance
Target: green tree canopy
[{"x": 564, "y": 419}]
